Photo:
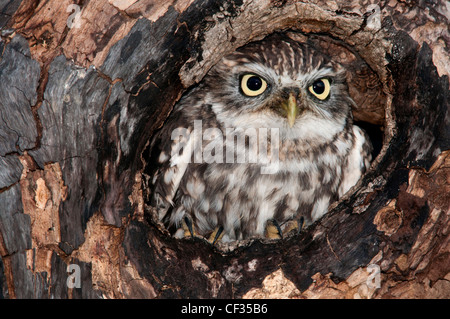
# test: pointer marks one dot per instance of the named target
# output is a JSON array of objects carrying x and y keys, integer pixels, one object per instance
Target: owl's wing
[
  {"x": 358, "y": 160},
  {"x": 171, "y": 153}
]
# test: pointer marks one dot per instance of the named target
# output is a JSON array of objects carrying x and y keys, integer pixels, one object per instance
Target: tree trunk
[{"x": 83, "y": 87}]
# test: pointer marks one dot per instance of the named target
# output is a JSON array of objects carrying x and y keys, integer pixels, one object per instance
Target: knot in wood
[{"x": 388, "y": 220}]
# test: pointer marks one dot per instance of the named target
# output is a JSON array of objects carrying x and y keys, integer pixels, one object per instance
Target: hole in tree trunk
[{"x": 364, "y": 87}]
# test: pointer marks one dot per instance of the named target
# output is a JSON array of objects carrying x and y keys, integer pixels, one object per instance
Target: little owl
[{"x": 260, "y": 147}]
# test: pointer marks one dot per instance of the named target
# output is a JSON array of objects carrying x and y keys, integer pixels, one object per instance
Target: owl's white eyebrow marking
[
  {"x": 315, "y": 74},
  {"x": 284, "y": 80}
]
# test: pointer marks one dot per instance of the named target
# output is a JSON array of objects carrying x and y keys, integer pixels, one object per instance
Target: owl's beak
[{"x": 291, "y": 108}]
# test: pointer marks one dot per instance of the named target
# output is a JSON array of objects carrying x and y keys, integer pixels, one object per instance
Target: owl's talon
[
  {"x": 216, "y": 235},
  {"x": 301, "y": 223},
  {"x": 295, "y": 225},
  {"x": 273, "y": 230},
  {"x": 291, "y": 226},
  {"x": 188, "y": 227}
]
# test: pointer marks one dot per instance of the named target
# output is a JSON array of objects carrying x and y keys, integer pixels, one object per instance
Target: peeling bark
[{"x": 83, "y": 87}]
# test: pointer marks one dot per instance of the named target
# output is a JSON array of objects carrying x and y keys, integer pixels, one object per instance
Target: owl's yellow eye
[
  {"x": 320, "y": 89},
  {"x": 253, "y": 85}
]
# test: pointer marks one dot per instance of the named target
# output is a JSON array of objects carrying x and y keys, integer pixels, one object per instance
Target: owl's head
[{"x": 280, "y": 83}]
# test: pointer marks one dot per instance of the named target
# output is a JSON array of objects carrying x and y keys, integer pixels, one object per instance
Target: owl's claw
[
  {"x": 216, "y": 235},
  {"x": 188, "y": 227},
  {"x": 295, "y": 225},
  {"x": 273, "y": 230},
  {"x": 301, "y": 223}
]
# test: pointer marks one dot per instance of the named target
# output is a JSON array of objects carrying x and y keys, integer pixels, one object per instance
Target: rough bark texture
[{"x": 82, "y": 89}]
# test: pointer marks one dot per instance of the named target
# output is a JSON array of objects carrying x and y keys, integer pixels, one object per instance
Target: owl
[{"x": 260, "y": 147}]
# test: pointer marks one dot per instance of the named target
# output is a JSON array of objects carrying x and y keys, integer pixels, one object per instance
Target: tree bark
[{"x": 84, "y": 85}]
